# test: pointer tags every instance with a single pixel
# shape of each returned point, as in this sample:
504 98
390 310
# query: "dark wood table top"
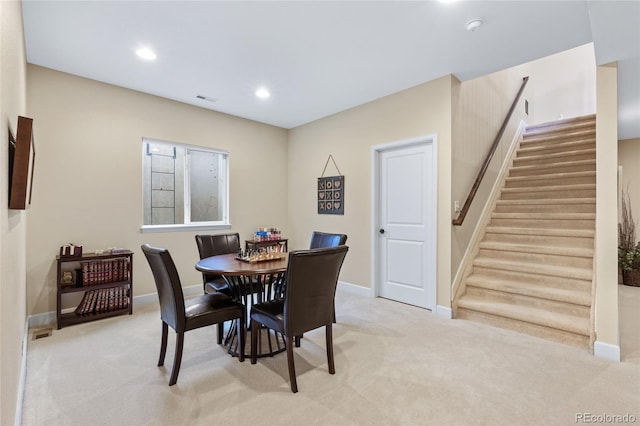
227 264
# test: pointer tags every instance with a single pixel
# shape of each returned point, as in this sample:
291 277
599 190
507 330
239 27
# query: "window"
184 186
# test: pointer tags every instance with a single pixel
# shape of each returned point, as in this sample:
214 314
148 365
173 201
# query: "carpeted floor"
395 365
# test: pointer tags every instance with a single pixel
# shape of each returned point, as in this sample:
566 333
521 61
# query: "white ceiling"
316 57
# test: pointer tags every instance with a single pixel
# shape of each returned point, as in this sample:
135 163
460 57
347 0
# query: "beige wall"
88 174
629 159
349 136
12 222
606 255
563 85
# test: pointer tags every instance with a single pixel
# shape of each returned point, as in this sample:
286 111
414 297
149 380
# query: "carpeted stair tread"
540 201
571 323
551 188
558 137
561 147
538 249
545 216
526 170
530 289
552 176
534 268
584 233
555 157
556 125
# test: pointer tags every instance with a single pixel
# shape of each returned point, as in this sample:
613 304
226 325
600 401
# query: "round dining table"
251 282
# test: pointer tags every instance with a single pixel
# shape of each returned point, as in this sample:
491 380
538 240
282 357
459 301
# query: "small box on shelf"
70 251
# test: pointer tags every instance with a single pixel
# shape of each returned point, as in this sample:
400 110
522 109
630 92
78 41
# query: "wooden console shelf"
105 281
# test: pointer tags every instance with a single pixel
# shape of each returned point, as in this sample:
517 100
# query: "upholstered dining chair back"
168 285
323 239
215 245
311 279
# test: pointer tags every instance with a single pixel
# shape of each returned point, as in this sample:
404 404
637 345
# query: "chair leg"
220 332
297 340
163 343
177 360
242 337
329 332
254 341
292 367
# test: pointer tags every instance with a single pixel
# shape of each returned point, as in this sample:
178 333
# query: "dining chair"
214 245
182 314
311 279
324 239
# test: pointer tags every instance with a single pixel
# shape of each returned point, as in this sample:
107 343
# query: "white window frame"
188 225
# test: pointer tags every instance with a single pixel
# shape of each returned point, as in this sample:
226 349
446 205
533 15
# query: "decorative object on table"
628 246
330 191
71 250
67 278
261 255
267 234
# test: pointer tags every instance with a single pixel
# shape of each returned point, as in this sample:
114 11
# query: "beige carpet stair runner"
533 271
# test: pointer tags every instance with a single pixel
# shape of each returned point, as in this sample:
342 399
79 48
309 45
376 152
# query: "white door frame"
376 151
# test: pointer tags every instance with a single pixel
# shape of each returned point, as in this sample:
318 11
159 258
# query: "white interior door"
406 224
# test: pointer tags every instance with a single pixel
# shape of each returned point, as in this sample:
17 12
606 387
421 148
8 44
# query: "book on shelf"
103 300
105 271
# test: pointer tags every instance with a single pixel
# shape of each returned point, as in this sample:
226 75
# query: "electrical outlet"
456 206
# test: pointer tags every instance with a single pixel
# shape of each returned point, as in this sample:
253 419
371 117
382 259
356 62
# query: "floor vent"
41 333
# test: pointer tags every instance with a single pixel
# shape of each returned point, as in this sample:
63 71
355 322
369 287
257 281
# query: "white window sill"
182 227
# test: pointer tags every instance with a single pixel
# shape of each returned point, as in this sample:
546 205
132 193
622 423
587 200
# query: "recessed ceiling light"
473 24
146 53
262 93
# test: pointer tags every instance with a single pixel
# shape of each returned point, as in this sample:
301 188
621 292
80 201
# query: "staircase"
533 271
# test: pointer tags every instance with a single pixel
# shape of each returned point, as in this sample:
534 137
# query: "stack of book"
103 300
105 271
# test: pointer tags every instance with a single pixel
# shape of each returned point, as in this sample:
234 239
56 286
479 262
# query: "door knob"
381 231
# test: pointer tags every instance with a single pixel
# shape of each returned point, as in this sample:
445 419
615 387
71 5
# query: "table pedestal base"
270 342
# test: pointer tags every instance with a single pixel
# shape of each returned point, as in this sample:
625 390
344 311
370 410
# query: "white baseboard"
354 289
41 320
444 312
606 351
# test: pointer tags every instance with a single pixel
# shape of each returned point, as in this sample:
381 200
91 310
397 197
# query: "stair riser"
551 159
533 141
549 306
545 208
540 240
584 263
541 195
532 181
561 168
547 333
550 224
541 280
